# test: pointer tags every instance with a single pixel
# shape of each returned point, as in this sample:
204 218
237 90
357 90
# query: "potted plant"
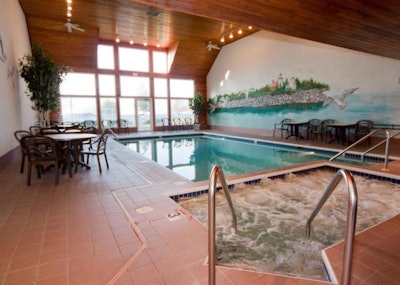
197 104
43 77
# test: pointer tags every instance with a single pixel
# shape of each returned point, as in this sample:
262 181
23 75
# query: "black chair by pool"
282 127
323 130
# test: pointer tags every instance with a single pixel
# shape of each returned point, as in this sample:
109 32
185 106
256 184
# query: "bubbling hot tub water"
272 215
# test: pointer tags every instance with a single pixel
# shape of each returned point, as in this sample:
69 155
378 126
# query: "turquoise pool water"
194 156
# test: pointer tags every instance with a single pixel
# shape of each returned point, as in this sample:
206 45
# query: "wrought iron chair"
166 124
311 126
123 125
281 126
19 135
97 147
361 129
106 124
189 123
35 130
89 123
323 130
177 124
43 151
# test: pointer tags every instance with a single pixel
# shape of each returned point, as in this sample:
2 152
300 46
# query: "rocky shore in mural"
288 92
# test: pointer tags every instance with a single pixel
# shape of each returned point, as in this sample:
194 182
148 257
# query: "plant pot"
197 127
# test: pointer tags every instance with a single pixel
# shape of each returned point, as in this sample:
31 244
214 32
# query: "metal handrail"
351 218
387 140
212 260
380 143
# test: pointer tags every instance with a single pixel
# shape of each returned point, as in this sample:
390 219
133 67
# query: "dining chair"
35 130
166 124
323 130
189 123
43 151
97 147
361 129
106 124
89 123
177 124
310 127
282 127
123 125
19 135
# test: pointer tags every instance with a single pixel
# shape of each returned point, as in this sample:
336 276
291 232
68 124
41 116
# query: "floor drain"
175 216
144 210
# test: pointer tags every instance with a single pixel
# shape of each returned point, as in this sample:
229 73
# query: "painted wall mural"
246 90
281 92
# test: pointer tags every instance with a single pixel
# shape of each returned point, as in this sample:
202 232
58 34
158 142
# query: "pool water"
272 215
193 157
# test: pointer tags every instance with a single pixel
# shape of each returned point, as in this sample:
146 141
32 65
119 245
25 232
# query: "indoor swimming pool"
272 215
194 156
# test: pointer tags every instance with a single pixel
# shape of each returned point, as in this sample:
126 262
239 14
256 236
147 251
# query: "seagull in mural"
339 100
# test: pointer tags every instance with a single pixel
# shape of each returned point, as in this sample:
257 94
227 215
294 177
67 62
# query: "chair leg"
29 172
98 162
105 157
22 163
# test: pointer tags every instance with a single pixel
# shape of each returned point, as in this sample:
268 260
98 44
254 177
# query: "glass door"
143 115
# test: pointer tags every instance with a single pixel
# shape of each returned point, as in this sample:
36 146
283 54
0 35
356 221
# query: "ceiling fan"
211 46
71 26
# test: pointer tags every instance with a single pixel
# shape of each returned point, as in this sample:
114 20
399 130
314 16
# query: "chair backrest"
123 123
20 134
284 121
177 121
101 143
106 123
40 148
89 123
313 124
35 130
165 122
363 127
188 121
325 124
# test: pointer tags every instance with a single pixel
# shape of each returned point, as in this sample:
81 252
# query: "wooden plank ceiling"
371 26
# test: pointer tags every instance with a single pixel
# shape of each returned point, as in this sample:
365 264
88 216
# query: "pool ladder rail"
351 218
386 140
216 172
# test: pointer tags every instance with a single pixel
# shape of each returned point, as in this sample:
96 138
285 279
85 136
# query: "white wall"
257 60
15 107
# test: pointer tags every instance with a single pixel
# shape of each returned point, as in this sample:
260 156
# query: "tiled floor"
120 228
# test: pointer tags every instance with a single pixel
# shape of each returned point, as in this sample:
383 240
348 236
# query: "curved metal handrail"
379 144
351 218
387 140
215 173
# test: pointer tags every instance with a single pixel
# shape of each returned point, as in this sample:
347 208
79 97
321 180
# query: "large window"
105 57
126 87
132 59
78 101
135 86
78 84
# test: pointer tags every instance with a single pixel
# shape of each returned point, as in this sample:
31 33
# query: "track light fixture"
231 33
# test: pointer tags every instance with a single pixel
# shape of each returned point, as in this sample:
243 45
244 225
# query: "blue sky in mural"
377 107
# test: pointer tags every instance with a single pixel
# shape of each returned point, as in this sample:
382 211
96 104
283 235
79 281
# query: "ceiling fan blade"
76 27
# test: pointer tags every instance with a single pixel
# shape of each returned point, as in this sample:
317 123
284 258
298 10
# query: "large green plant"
43 77
197 104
